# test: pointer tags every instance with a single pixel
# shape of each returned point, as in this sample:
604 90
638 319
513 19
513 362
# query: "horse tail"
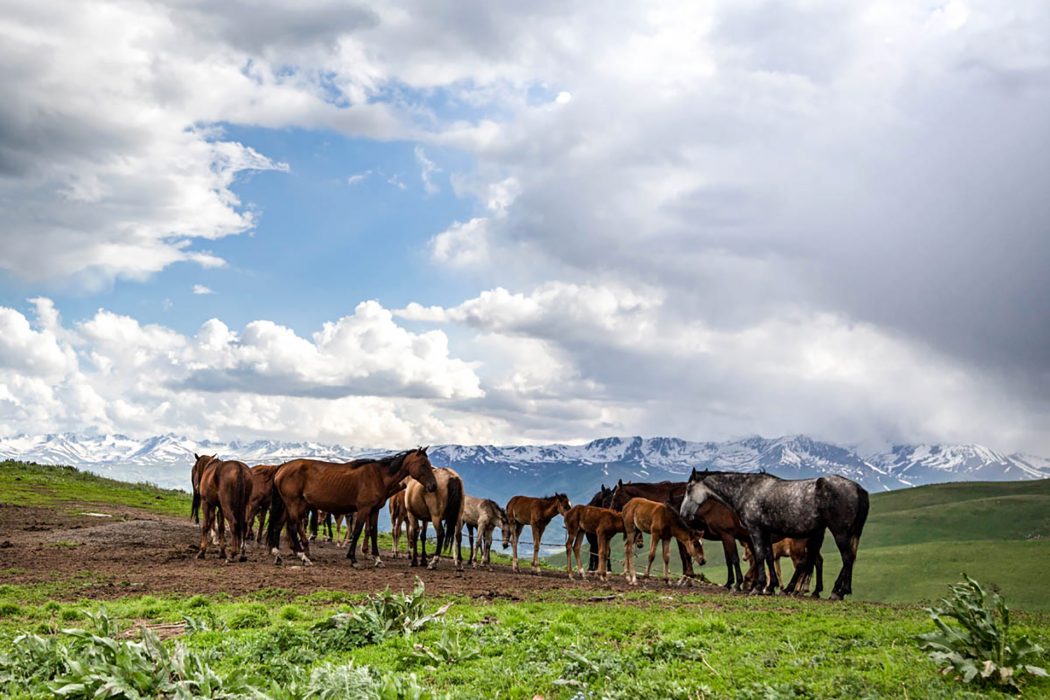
277 516
195 508
453 510
858 521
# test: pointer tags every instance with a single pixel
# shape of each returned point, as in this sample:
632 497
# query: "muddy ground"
94 552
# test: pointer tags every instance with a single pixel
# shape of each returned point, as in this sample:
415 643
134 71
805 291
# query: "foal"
662 523
537 513
485 515
259 501
602 523
794 547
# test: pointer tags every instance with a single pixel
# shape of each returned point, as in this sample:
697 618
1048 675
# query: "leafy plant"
332 682
452 648
978 647
380 617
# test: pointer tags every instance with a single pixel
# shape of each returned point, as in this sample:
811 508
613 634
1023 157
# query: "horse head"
419 468
504 527
562 502
696 492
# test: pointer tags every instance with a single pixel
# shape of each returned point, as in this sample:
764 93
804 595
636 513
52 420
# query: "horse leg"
653 540
667 561
603 557
359 524
780 576
760 552
628 557
206 511
820 575
515 535
687 561
592 546
440 530
537 537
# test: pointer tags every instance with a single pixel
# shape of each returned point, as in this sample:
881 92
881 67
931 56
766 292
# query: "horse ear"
424 449
620 482
196 456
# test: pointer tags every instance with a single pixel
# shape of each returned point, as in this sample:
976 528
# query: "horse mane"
391 462
677 517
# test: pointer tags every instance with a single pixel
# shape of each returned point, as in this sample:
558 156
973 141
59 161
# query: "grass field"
560 643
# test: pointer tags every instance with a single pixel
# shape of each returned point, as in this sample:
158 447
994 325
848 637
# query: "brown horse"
221 487
537 514
794 547
360 487
718 522
259 501
444 508
662 523
603 523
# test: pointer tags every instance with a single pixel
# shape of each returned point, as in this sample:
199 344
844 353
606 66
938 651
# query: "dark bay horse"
537 514
772 508
259 501
360 487
221 487
718 522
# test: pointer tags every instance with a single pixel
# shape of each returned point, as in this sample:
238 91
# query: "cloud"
358 177
200 289
359 380
427 170
462 244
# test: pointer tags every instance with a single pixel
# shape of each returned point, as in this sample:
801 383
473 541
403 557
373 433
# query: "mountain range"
500 472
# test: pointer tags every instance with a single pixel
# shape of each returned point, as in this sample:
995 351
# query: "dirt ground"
132 552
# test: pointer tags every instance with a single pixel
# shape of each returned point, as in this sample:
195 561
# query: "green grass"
641 646
24 484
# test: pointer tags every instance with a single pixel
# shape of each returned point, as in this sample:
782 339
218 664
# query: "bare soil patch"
140 552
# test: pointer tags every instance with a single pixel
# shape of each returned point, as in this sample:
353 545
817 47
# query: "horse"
444 508
360 487
769 506
602 499
223 486
259 501
662 523
398 520
485 515
537 514
718 522
787 547
602 523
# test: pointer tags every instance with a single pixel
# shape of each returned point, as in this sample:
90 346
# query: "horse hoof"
243 557
200 555
432 565
815 595
379 563
834 596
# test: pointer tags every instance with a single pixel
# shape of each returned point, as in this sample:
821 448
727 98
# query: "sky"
401 223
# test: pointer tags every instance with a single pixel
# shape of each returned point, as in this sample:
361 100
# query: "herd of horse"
770 517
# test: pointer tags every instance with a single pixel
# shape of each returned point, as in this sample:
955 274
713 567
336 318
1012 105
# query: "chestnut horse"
602 499
602 523
537 514
718 521
224 487
795 548
259 501
442 507
661 522
360 487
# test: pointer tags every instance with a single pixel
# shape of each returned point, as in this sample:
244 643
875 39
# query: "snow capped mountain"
578 470
923 464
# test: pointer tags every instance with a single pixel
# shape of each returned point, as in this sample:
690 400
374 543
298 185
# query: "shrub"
331 682
451 648
978 648
381 616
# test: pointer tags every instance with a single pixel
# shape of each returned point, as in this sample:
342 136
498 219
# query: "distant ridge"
501 471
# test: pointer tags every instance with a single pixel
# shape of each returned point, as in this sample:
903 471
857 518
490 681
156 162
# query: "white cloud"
358 177
200 289
361 379
462 244
427 170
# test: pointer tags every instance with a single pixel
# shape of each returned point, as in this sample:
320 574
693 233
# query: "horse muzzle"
431 488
